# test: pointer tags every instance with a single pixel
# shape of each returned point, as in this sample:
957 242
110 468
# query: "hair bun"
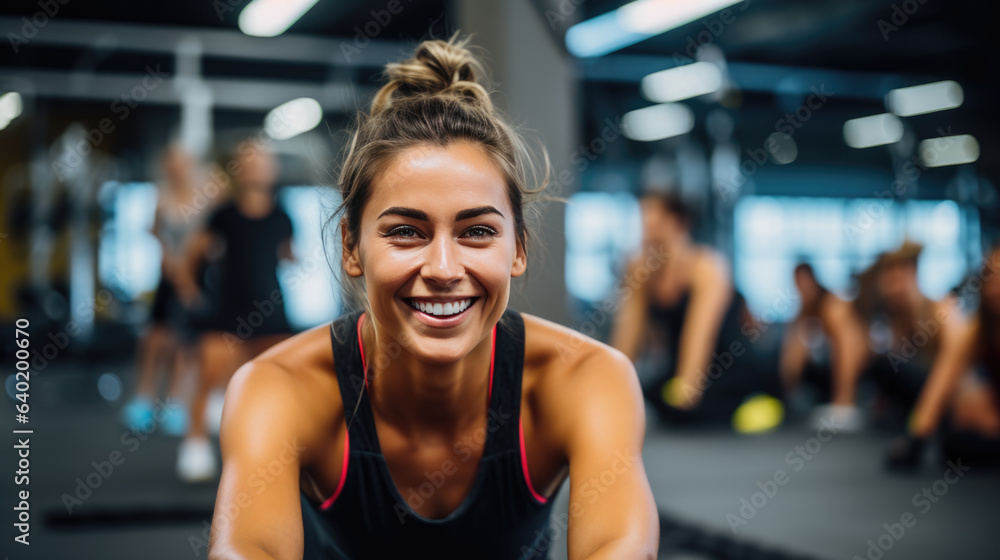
437 68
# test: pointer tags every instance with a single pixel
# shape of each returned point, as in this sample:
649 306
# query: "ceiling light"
268 18
927 98
873 131
682 82
658 122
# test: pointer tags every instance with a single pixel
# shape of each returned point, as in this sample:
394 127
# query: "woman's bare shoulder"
560 351
565 367
296 380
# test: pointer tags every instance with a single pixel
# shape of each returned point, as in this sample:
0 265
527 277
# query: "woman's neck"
419 397
678 252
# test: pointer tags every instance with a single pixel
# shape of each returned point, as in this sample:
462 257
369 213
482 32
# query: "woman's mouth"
440 307
441 312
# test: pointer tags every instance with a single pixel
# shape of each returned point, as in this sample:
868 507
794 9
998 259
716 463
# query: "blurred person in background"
824 322
687 306
905 328
963 389
243 309
168 344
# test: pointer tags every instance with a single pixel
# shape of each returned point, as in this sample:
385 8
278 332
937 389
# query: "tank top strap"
508 367
349 365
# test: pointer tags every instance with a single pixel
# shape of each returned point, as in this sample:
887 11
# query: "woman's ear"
350 259
520 263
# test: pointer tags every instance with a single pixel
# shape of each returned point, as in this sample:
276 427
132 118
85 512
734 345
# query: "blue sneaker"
138 415
175 421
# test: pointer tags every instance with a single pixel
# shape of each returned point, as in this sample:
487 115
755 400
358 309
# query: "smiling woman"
434 421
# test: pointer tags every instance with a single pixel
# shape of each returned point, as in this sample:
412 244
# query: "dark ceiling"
939 39
326 18
939 36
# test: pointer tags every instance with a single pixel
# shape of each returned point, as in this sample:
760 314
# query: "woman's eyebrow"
422 216
405 212
474 212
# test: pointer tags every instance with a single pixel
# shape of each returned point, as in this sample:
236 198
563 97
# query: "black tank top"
668 324
501 518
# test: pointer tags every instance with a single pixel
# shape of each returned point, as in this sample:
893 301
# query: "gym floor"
707 483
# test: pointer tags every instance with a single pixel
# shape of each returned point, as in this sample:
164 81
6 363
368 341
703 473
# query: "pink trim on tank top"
364 366
524 464
347 435
343 472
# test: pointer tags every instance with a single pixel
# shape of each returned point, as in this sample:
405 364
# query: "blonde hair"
435 98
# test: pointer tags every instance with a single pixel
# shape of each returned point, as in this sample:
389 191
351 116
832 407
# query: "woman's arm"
186 275
631 320
794 355
955 355
601 422
711 294
848 347
259 517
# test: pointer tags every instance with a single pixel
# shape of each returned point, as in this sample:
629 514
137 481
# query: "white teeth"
445 309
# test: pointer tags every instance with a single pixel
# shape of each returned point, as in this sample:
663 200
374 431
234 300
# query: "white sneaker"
213 411
196 460
845 418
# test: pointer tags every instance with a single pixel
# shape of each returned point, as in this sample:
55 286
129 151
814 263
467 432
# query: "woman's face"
659 225
808 288
897 284
438 233
255 169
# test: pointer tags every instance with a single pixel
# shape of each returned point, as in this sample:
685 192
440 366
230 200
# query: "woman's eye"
481 231
406 232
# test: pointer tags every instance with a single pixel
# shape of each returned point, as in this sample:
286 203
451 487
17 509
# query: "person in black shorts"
242 311
434 421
